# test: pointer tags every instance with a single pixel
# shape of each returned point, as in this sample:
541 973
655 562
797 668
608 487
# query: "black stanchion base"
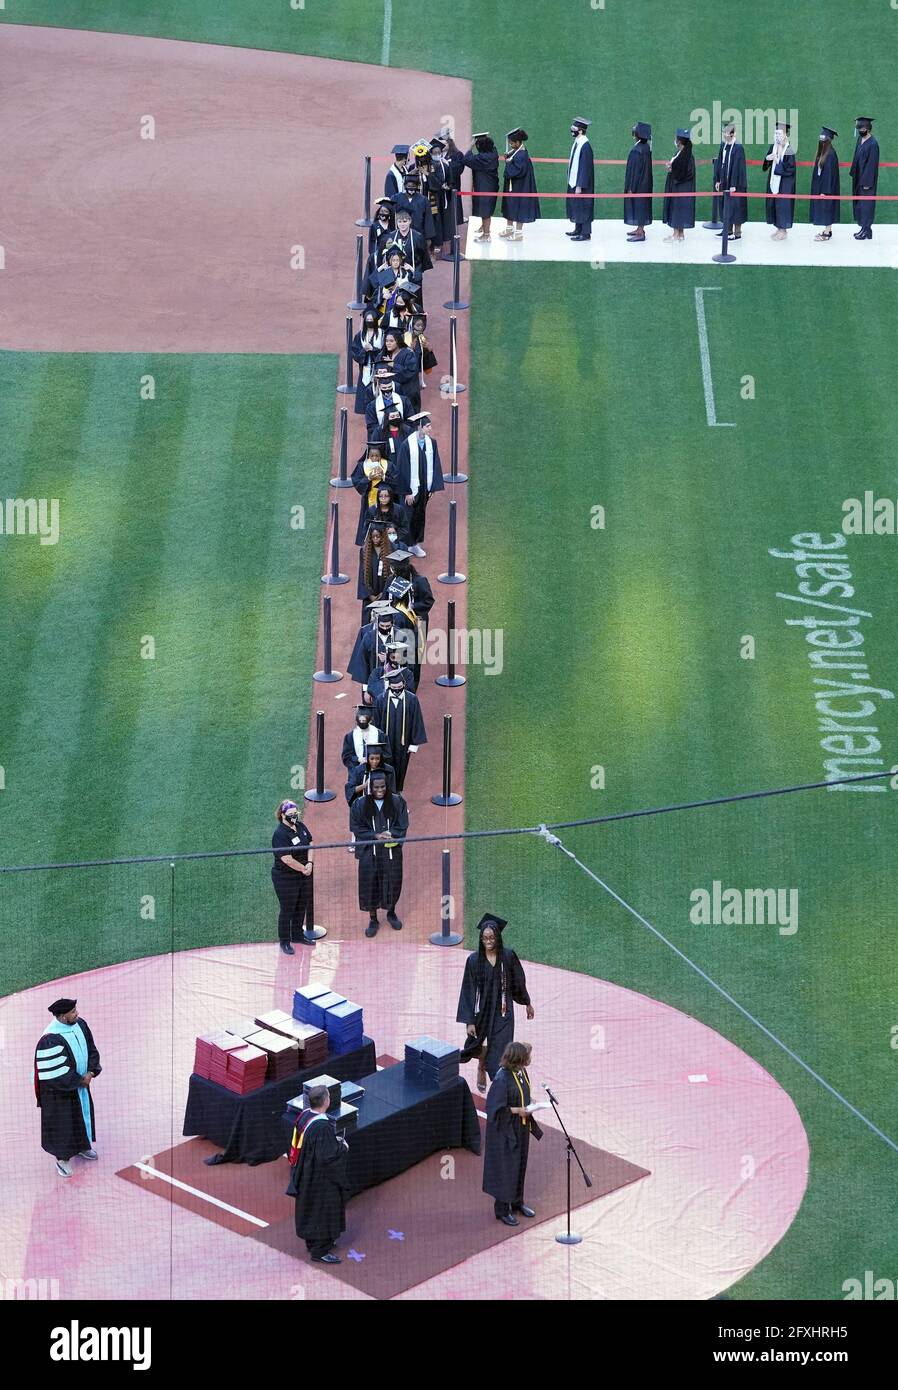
341 482
458 388
722 259
335 579
564 1239
452 304
363 222
713 226
452 578
327 676
453 799
326 795
450 258
459 478
316 934
345 390
356 305
452 681
451 938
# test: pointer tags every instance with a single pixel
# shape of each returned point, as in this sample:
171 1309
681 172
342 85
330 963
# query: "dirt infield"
183 243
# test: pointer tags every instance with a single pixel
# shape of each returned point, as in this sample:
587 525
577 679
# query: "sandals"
481 1083
824 236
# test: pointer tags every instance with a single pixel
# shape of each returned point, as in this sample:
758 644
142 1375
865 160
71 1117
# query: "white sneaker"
63 1168
89 1153
419 551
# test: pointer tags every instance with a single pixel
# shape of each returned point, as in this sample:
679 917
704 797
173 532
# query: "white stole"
414 470
579 142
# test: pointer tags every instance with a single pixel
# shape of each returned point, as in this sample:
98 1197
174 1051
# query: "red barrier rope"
558 159
699 193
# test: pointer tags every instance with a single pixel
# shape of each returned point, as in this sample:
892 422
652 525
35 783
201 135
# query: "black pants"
297 908
317 1248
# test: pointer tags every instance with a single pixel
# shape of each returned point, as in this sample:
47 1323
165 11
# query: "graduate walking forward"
397 714
66 1061
581 178
379 823
508 1130
318 1179
492 984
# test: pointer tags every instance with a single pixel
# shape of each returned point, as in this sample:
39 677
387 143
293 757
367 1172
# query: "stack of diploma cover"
302 1001
344 1027
431 1061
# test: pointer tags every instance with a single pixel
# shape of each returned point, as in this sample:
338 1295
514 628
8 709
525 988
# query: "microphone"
552 1098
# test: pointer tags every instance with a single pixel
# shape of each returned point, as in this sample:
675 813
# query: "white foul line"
388 28
710 408
195 1192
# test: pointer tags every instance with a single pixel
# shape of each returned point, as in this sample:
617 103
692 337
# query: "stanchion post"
450 678
447 796
335 577
341 480
456 302
724 258
457 386
314 933
452 576
454 475
715 224
320 792
347 387
365 219
445 937
357 303
326 674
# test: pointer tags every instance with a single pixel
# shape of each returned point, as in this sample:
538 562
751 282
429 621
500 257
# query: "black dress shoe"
329 1259
635 238
862 234
372 927
287 948
579 238
525 1211
507 1220
394 921
570 233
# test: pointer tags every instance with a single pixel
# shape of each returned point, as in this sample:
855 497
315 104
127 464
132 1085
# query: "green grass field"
621 646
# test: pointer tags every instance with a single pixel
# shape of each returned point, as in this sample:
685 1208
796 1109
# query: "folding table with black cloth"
249 1127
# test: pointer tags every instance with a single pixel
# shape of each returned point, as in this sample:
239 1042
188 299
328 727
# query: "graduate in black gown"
412 598
638 180
508 1131
404 367
395 178
379 823
418 206
372 470
361 736
679 213
493 982
440 177
318 1178
419 474
374 567
581 178
417 342
396 664
387 422
292 877
381 230
66 1061
779 166
392 513
864 177
455 161
398 715
374 761
519 179
370 649
730 176
825 185
412 245
366 348
483 161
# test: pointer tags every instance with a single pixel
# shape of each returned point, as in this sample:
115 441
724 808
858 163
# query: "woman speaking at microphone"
291 875
509 1124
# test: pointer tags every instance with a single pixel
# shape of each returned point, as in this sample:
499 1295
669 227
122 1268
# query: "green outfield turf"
622 644
174 525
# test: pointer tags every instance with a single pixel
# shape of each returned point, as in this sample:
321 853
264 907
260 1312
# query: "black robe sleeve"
468 994
424 599
517 980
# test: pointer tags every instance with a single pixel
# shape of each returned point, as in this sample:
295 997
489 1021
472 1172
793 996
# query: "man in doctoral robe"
730 176
419 474
581 178
378 822
638 182
318 1179
864 177
398 716
66 1061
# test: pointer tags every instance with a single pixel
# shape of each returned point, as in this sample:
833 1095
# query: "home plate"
546 241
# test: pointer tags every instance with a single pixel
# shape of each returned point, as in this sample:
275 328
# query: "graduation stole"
387 720
299 1134
517 1081
375 473
414 465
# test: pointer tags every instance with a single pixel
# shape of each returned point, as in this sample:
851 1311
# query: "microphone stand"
567 1237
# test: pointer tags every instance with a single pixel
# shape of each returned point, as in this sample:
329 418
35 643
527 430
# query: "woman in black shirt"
291 875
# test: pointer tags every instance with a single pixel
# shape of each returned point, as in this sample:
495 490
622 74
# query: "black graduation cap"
422 418
489 919
683 134
399 149
385 277
412 178
391 677
783 125
364 709
62 1006
517 134
582 122
384 202
864 120
480 135
418 313
378 523
642 130
437 143
827 134
376 748
399 554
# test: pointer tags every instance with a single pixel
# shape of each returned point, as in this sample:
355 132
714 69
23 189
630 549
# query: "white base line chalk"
204 1196
710 408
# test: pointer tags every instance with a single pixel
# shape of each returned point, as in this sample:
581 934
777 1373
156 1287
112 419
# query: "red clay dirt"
182 243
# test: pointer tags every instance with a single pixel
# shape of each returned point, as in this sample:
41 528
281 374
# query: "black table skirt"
249 1127
400 1122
